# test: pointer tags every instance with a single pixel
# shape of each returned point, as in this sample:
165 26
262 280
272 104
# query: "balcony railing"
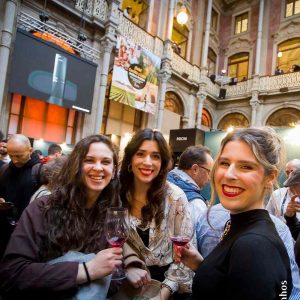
139 36
240 89
274 83
93 8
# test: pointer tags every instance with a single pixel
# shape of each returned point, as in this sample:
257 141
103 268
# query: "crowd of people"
54 247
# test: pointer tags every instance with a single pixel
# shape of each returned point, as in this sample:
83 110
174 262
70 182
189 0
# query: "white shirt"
278 203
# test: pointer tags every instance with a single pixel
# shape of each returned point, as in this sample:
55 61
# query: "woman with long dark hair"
70 219
148 196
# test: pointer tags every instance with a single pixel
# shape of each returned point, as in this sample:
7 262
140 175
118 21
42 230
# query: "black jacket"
17 186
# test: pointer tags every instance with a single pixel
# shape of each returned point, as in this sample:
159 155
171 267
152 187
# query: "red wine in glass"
180 224
116 231
180 241
116 241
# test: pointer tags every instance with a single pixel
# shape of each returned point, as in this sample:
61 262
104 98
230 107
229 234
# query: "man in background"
17 185
280 198
192 175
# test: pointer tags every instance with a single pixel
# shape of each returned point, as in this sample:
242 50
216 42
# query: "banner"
135 76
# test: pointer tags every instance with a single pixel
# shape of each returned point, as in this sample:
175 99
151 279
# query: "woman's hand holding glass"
116 230
104 263
189 256
181 228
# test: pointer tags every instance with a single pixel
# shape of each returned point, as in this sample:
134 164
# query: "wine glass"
181 228
116 231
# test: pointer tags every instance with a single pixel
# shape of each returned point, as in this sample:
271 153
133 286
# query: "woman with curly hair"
70 219
148 196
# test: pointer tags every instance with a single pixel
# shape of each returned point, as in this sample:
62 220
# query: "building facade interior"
226 63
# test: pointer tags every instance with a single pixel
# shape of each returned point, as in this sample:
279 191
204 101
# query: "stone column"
164 76
165 72
254 101
201 95
107 44
189 45
107 47
206 36
170 19
259 37
5 43
192 113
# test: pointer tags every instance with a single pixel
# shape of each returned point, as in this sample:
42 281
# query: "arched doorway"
236 120
285 117
206 119
174 104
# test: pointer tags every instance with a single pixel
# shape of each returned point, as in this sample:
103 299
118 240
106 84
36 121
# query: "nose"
231 172
98 166
147 160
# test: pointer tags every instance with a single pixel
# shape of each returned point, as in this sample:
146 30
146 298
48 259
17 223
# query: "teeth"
97 177
232 190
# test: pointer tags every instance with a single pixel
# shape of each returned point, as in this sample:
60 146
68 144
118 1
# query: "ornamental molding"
287 31
239 45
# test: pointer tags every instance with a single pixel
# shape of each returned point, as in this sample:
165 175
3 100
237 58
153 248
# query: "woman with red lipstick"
66 228
145 191
251 261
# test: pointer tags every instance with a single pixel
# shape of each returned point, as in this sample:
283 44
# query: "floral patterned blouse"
160 250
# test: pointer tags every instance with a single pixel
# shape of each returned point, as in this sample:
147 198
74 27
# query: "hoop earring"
129 168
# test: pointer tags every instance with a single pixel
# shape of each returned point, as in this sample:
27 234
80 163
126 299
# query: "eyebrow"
240 161
140 149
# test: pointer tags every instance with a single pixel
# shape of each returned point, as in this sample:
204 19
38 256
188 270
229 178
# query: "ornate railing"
93 8
211 88
182 67
29 23
274 83
240 89
139 36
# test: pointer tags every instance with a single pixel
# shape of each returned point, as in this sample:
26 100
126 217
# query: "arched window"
206 118
236 120
289 54
285 117
174 104
238 66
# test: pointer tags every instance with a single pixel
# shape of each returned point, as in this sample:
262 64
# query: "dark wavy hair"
156 193
71 225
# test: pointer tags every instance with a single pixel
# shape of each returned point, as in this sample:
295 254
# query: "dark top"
294 226
17 185
251 262
24 274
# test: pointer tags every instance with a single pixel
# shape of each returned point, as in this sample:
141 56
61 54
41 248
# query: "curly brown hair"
70 224
156 193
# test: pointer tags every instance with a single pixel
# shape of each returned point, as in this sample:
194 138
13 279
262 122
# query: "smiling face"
97 170
239 178
146 163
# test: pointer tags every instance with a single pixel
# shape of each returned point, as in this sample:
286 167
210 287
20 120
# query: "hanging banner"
135 76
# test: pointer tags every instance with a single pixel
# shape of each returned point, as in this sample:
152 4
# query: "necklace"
226 229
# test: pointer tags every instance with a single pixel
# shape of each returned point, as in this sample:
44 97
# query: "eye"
156 156
223 163
139 154
89 160
107 162
246 167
